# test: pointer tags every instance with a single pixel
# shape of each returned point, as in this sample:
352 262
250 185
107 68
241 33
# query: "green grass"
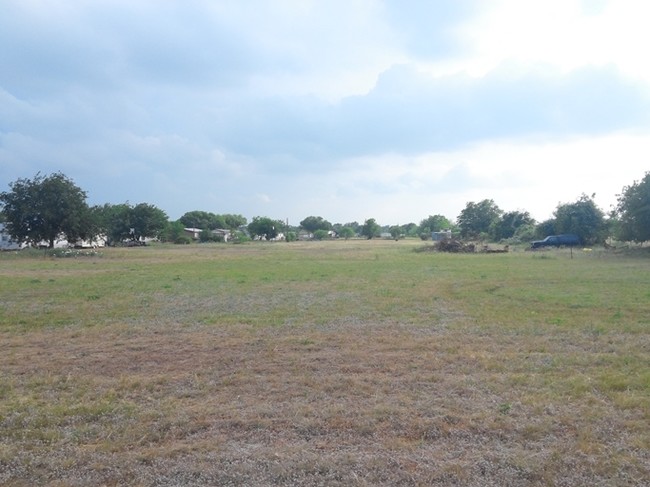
324 363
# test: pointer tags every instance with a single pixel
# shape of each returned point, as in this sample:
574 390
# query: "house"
193 233
221 232
96 242
6 242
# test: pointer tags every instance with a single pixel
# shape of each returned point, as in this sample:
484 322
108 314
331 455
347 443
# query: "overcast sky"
345 109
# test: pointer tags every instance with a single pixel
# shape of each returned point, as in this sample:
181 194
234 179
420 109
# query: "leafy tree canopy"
507 225
203 220
582 218
313 223
346 232
434 223
370 228
210 221
43 208
410 229
545 228
125 222
395 231
233 222
148 221
174 233
633 211
321 234
264 227
476 218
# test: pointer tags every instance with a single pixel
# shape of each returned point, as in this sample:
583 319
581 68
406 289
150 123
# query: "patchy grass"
331 363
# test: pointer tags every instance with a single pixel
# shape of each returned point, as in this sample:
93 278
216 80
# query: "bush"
321 235
183 240
240 237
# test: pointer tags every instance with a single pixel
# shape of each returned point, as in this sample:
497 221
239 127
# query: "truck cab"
556 241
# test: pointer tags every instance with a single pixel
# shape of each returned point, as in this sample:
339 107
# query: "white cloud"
563 34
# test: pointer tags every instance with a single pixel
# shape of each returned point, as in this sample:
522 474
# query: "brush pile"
455 246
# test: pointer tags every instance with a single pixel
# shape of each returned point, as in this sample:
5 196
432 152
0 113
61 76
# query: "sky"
345 109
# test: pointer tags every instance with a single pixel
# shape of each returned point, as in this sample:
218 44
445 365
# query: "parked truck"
556 241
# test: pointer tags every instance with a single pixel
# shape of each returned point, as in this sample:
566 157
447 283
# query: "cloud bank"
348 110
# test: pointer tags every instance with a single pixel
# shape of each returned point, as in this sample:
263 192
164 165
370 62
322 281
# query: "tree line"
45 207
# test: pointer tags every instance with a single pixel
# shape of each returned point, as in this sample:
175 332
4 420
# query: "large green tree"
434 223
148 221
582 218
313 223
476 218
234 221
633 211
124 222
545 228
370 228
508 223
44 208
113 221
206 220
202 219
346 232
264 227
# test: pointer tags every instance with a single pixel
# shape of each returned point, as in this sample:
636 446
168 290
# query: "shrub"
183 240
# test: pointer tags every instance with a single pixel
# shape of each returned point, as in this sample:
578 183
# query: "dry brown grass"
340 402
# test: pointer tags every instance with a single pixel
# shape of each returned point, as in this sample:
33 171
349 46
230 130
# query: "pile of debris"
455 246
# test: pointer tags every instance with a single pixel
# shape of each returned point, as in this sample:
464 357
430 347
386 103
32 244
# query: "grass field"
352 363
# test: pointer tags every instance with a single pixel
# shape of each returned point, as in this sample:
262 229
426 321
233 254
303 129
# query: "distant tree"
633 211
525 233
346 233
545 228
321 234
203 220
434 223
508 223
44 208
124 222
410 229
313 223
114 221
239 237
582 218
264 227
476 218
148 221
370 228
233 222
174 233
395 231
354 226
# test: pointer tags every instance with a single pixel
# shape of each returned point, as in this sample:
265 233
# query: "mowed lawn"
351 363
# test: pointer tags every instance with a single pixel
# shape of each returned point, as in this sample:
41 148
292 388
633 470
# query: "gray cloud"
198 103
412 112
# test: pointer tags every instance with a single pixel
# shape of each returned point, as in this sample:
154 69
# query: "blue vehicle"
556 241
